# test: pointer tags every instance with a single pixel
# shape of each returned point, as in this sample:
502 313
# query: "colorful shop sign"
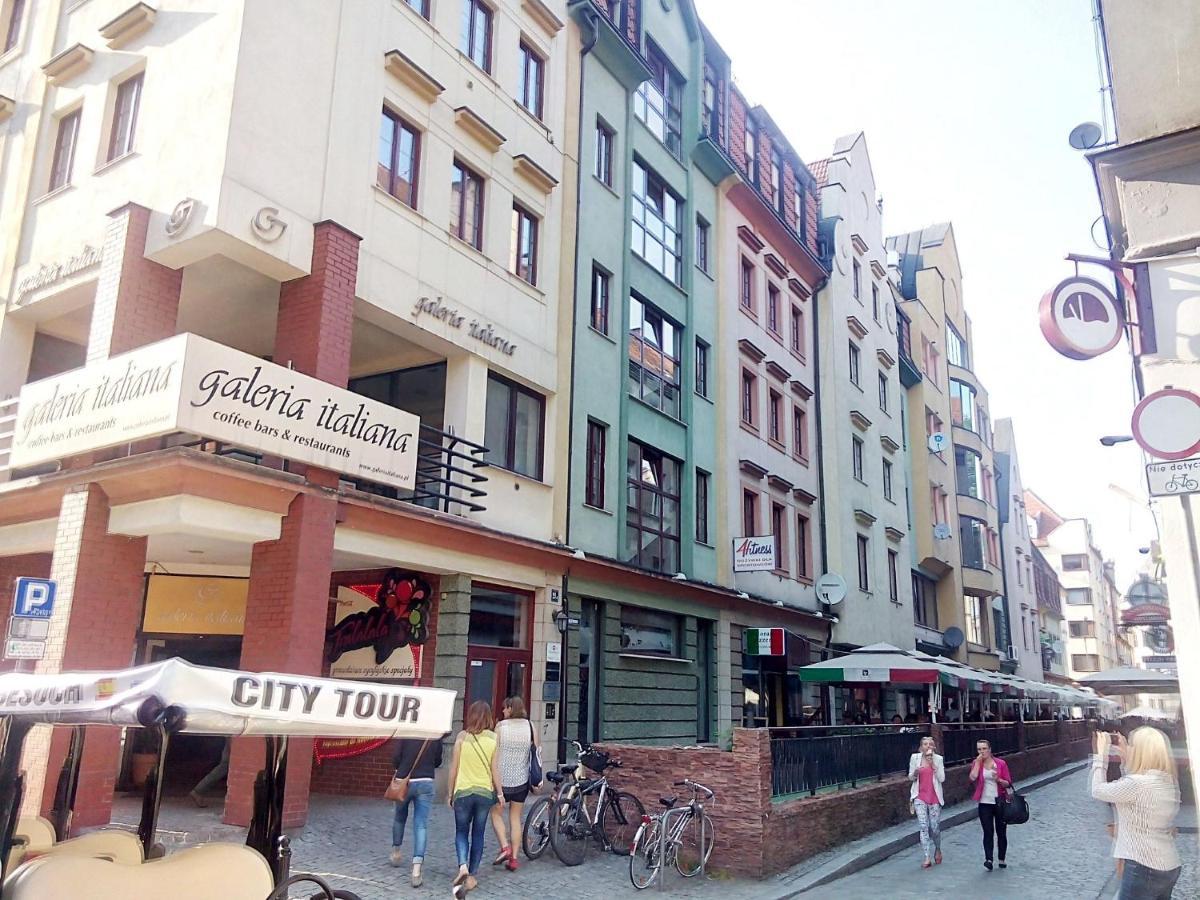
380 628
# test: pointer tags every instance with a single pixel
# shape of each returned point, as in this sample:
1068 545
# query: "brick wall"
33 565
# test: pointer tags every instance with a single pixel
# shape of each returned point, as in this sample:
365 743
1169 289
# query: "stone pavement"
1061 854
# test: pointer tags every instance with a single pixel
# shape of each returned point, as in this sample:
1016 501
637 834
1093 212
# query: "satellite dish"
937 442
941 532
1085 136
953 637
997 603
831 589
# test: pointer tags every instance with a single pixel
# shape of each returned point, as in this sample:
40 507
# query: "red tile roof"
820 171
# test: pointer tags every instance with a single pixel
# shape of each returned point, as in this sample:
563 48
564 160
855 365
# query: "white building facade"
1023 654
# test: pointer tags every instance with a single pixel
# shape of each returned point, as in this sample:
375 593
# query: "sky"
966 106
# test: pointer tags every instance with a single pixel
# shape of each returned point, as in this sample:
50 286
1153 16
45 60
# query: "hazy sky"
966 106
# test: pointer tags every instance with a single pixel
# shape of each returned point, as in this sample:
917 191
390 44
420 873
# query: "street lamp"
1110 439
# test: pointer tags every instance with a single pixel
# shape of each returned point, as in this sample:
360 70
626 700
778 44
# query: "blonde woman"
927 772
1147 801
474 790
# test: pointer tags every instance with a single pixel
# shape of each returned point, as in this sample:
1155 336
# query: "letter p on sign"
33 598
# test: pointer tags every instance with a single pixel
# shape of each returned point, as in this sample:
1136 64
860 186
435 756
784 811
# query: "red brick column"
137 300
97 611
288 600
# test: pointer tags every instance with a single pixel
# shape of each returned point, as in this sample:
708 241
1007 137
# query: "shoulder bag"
1015 809
535 760
397 789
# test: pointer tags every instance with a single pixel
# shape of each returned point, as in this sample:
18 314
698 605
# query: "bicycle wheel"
535 836
620 820
644 861
570 830
688 856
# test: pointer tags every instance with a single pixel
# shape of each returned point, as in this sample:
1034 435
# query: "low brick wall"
758 836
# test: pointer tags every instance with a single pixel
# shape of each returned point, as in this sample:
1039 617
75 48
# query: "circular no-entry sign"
1167 424
1080 318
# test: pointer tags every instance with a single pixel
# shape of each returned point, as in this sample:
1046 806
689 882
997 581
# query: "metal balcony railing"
8 425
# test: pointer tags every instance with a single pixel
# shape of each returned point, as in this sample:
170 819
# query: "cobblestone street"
1061 853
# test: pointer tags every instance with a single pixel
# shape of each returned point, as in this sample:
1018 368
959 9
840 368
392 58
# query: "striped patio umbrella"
879 663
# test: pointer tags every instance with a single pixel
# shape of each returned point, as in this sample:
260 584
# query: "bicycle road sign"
1170 479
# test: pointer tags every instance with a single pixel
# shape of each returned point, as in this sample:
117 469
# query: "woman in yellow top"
475 789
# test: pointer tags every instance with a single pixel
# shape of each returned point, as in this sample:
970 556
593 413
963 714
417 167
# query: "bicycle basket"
596 760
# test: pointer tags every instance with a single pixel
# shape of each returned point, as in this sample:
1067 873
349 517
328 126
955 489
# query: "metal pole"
703 855
664 824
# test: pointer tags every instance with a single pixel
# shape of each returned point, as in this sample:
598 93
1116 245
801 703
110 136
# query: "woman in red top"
927 771
991 777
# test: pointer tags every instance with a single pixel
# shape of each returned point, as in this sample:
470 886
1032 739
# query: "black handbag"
535 761
1015 809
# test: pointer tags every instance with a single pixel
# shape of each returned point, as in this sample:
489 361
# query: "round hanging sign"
1081 318
1167 424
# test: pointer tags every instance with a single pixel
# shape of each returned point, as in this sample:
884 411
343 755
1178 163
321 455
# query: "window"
652 509
747 285
857 458
12 33
938 501
656 223
653 357
749 398
710 114
702 238
523 260
421 7
64 150
799 432
924 594
968 467
803 550
1074 562
658 102
772 308
893 577
1020 583
597 439
751 156
466 205
649 632
857 280
513 427
533 69
855 364
989 493
605 148
499 618
1085 662
1079 597
1084 629
775 423
933 422
749 513
956 348
125 113
616 12
875 301
777 180
702 483
883 392
887 480
701 368
779 534
399 152
477 33
972 534
977 632
962 405
601 284
864 563
931 361
797 331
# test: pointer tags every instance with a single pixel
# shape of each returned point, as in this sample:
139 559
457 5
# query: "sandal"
505 855
458 887
926 864
937 858
512 865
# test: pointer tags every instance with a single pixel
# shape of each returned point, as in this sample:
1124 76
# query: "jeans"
420 799
470 819
928 815
993 821
219 771
1144 883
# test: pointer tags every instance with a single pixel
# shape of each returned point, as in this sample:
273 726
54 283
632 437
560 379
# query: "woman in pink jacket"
991 777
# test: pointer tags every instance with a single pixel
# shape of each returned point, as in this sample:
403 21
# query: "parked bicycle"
587 808
535 836
689 838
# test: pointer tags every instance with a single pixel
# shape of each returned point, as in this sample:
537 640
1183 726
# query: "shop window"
650 632
499 617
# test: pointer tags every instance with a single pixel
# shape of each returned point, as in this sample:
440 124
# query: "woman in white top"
927 772
516 742
1147 802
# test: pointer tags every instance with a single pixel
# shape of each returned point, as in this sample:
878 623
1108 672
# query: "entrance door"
494 674
498 646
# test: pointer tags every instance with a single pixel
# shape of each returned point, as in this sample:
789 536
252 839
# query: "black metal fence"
1040 734
1076 729
960 740
805 760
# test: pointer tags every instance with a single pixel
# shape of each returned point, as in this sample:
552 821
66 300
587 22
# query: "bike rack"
663 829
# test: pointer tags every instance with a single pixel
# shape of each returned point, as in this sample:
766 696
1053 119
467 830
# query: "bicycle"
1181 482
575 822
689 838
535 836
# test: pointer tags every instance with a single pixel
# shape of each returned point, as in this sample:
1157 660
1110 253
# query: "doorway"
499 658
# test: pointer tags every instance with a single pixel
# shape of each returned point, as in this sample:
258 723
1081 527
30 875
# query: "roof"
820 171
910 246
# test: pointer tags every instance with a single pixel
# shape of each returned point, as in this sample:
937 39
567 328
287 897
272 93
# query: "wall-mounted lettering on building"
196 386
53 273
480 331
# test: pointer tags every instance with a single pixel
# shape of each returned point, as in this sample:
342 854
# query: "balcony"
910 375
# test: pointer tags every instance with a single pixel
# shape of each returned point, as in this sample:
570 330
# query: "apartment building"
364 236
955 519
1051 630
863 409
1021 651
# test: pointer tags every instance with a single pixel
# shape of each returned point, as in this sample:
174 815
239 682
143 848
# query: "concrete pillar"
97 611
725 677
453 622
137 300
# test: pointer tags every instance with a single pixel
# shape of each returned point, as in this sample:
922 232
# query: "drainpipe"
590 18
822 528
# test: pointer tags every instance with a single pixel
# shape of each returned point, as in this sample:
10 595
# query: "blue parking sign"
33 598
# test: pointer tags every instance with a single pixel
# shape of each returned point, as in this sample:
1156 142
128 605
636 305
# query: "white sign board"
1179 477
15 649
1167 424
554 652
28 629
879 675
754 554
193 385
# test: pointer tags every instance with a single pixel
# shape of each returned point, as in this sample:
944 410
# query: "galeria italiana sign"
190 384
